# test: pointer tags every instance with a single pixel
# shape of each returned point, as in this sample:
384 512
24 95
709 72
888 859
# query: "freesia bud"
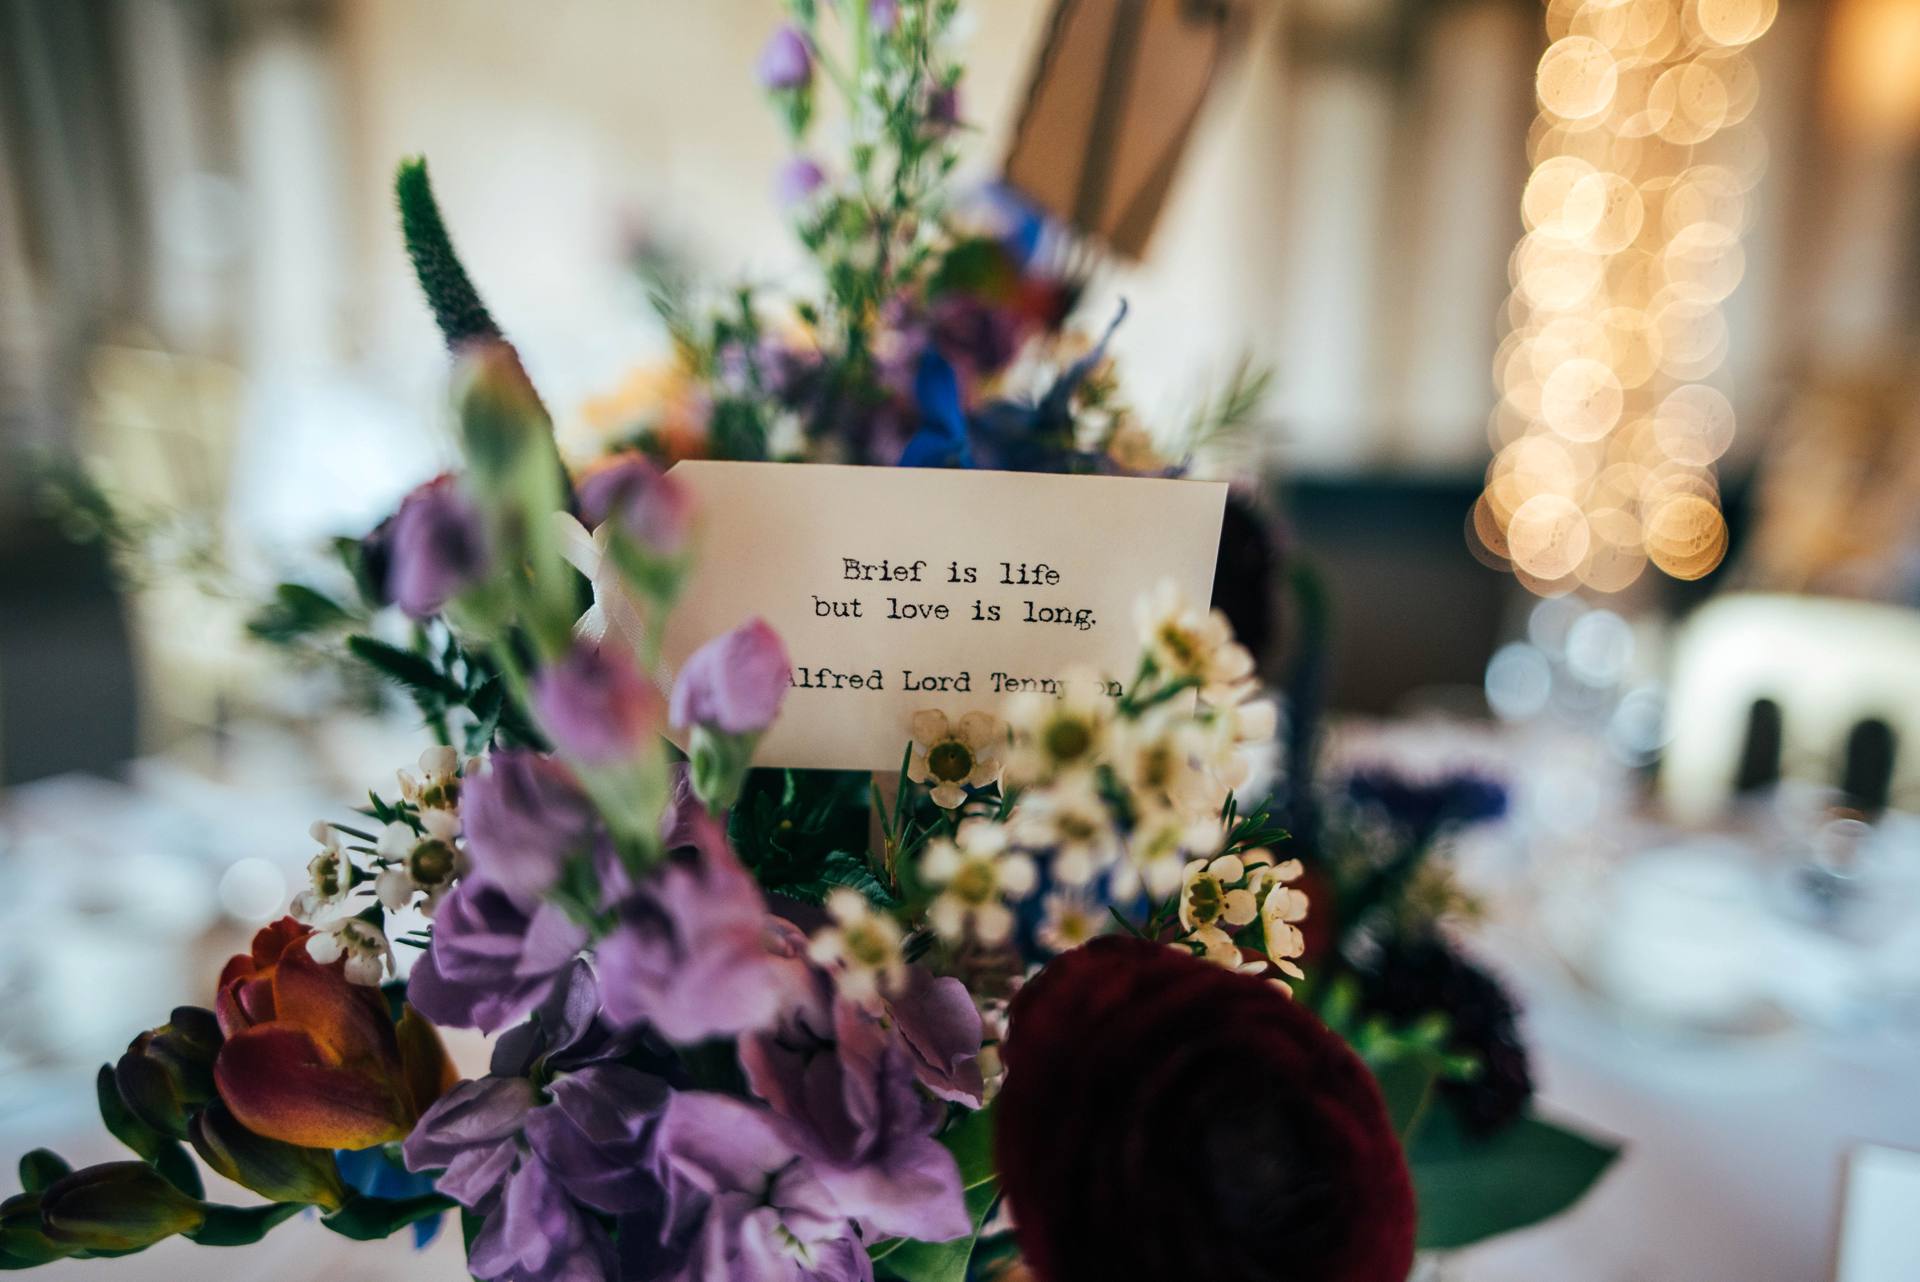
22 1238
276 1170
167 1072
117 1206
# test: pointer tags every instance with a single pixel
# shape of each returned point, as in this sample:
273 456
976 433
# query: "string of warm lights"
1609 419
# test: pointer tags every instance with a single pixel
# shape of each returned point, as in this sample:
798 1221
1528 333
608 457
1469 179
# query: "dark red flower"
1166 1118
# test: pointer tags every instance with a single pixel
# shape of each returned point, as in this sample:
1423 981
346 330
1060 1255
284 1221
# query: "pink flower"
734 683
597 706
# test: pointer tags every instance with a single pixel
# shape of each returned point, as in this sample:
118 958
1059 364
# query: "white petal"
949 796
992 923
948 917
1241 907
979 730
1017 876
324 947
929 727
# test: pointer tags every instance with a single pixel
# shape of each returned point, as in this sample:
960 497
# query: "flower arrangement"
1052 977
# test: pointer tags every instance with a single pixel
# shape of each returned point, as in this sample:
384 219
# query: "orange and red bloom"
314 1060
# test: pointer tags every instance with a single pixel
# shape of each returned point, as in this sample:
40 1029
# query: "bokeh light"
1610 418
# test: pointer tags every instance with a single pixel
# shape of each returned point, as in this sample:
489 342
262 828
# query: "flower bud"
275 1170
597 706
167 1072
786 63
23 1242
646 504
117 1206
435 549
734 683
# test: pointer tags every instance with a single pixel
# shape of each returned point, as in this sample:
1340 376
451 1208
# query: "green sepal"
242 1225
41 1167
368 1219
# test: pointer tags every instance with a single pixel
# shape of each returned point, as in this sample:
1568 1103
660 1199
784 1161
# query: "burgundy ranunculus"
1165 1118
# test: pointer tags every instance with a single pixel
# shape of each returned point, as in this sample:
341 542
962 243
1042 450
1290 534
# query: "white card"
901 589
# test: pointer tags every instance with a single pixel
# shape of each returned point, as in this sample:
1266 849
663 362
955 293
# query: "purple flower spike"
883 14
490 961
851 1103
524 817
691 954
471 1135
437 547
538 1234
734 683
786 62
653 508
597 706
798 179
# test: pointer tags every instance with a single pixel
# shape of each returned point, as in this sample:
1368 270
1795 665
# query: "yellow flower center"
976 882
867 947
1067 739
1206 900
950 761
1181 645
430 863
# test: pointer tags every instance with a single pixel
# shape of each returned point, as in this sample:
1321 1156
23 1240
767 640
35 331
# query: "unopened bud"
117 1206
276 1170
167 1072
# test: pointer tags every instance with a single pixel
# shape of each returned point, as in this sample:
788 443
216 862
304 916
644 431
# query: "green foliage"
446 680
456 304
299 613
366 1219
797 831
1471 1189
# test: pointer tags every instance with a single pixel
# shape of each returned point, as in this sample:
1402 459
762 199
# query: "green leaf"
412 672
910 1261
970 1140
456 304
367 1219
242 1225
1471 1189
40 1168
164 1153
1406 1084
296 611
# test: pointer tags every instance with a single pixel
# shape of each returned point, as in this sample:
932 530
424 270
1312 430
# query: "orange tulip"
313 1060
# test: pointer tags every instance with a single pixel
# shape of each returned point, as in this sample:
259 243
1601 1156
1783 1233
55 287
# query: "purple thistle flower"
797 180
524 817
597 706
734 683
652 508
786 63
491 960
435 548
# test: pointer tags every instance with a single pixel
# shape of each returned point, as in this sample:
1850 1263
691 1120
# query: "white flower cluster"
1121 794
407 859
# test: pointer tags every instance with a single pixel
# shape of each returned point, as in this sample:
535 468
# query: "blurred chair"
1799 688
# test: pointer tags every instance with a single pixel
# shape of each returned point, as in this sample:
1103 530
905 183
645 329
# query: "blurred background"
1594 412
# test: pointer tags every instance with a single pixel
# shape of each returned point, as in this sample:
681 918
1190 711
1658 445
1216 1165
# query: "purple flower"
742 1201
472 1136
597 706
943 108
652 507
940 1027
883 14
536 1233
845 1087
436 547
596 1137
734 683
524 817
797 180
490 960
690 955
785 62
